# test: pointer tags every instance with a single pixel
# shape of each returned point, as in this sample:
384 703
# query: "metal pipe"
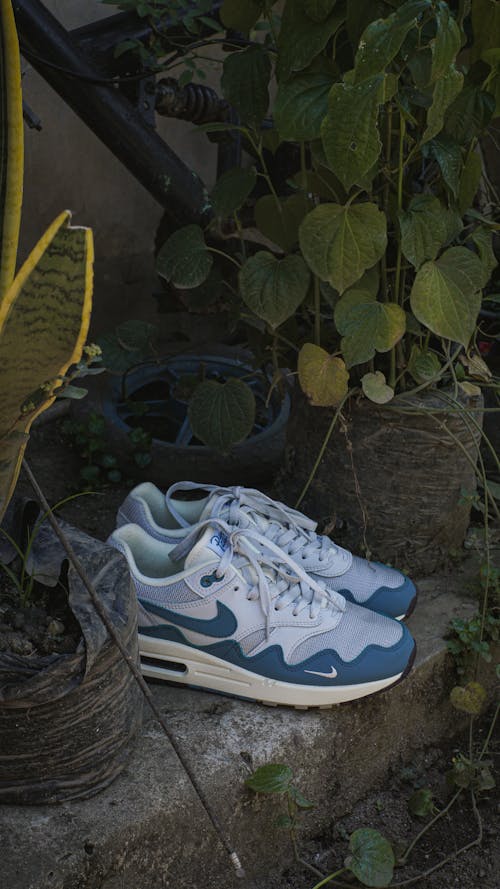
113 119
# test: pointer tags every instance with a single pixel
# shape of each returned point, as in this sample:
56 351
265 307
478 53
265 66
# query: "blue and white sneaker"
169 518
219 613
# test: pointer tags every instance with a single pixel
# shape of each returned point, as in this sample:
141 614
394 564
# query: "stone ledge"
148 830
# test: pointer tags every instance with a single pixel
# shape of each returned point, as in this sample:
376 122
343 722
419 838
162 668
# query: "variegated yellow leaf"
11 145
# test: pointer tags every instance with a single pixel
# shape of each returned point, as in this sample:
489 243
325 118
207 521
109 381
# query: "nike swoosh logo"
331 675
222 625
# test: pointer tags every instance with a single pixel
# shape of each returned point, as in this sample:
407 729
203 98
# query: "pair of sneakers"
238 594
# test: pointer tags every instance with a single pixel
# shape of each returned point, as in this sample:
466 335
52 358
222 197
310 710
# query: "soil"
44 625
387 811
57 471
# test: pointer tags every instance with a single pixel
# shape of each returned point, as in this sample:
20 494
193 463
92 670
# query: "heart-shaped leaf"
349 131
323 378
245 82
421 803
448 155
376 389
301 39
469 698
424 229
301 104
274 288
469 114
280 220
446 90
340 243
240 15
445 294
446 44
371 859
231 190
184 259
483 239
423 365
368 326
222 414
469 181
382 39
271 778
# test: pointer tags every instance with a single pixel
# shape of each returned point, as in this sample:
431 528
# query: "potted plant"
68 702
377 251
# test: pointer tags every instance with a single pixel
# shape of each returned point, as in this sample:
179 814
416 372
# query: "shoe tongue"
209 548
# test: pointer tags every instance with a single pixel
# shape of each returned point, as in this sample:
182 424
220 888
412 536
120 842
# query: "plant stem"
490 732
317 311
322 449
225 255
428 826
330 877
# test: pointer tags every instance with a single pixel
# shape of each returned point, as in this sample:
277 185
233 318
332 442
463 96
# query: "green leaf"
76 392
301 39
284 822
446 44
421 803
445 92
340 243
301 104
245 83
222 414
274 288
281 224
318 10
323 378
349 131
299 799
448 155
469 698
368 326
240 15
184 259
445 294
231 190
271 778
492 86
371 859
11 146
483 239
382 39
359 14
469 114
469 181
423 365
486 26
424 229
375 388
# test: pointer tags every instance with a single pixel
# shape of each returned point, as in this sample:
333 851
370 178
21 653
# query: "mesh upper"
248 643
132 511
363 579
357 629
169 594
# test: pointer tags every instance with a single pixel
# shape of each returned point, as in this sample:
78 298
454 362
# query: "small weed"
101 465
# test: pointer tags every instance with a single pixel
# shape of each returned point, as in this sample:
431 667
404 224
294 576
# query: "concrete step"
149 831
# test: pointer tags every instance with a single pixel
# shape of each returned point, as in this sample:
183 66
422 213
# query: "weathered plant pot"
67 720
394 479
177 454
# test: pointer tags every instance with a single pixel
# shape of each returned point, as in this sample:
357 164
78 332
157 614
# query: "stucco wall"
67 167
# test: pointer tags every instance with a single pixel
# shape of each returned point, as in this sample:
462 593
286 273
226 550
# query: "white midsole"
207 671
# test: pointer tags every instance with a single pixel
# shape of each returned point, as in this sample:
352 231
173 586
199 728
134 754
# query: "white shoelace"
291 588
242 507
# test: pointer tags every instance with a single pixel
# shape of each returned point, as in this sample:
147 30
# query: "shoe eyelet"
236 589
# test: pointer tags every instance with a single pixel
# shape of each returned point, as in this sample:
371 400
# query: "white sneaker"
168 518
221 613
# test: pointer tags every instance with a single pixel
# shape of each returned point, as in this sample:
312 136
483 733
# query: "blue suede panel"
385 600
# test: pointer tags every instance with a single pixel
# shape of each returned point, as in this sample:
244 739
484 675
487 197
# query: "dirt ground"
56 468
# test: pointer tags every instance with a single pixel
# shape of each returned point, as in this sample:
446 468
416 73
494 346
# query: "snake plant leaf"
367 326
274 288
375 388
445 91
184 259
44 320
382 39
371 857
302 103
424 229
469 181
447 42
240 15
245 82
340 242
222 414
280 220
445 295
322 377
301 39
231 190
11 145
349 131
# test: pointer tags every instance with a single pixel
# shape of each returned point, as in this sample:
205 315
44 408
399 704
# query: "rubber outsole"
180 665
